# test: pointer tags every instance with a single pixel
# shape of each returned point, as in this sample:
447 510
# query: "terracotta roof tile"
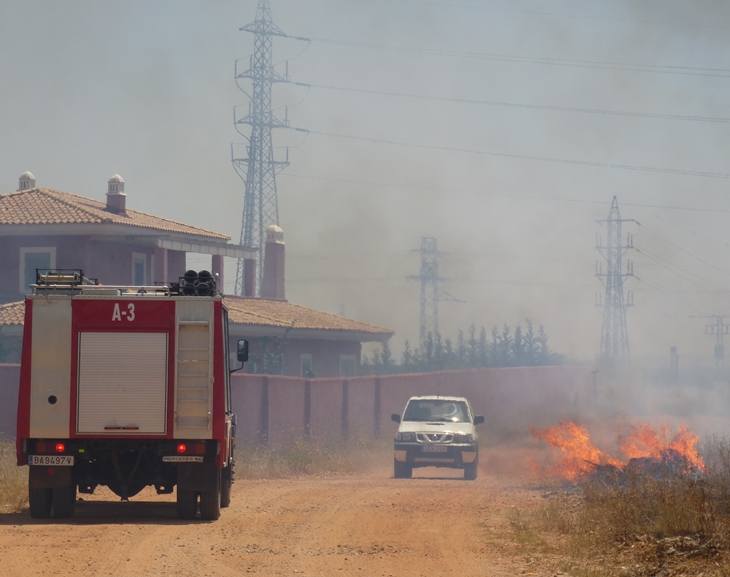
252 311
12 313
283 314
46 206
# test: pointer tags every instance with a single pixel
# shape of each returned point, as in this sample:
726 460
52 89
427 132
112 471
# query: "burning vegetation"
660 505
658 451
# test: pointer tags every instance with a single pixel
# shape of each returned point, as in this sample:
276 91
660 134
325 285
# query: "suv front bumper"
455 455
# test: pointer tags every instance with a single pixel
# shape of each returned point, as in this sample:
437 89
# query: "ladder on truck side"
194 384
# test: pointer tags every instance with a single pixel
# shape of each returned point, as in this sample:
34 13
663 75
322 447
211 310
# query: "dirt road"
368 524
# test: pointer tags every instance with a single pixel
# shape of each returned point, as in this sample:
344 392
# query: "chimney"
116 199
272 286
249 277
26 181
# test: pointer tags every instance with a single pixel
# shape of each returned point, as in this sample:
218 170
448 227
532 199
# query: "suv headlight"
405 436
463 438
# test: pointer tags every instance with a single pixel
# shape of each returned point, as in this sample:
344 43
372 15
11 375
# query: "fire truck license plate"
434 449
51 460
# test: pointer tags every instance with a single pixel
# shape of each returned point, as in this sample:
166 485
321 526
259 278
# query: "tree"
473 351
483 348
518 348
545 355
408 363
531 346
461 357
386 358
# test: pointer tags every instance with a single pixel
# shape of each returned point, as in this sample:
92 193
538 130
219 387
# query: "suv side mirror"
479 419
242 350
395 417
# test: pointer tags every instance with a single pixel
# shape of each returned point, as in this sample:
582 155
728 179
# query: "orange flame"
581 456
647 441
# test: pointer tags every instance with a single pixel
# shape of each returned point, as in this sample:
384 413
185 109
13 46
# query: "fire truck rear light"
182 448
60 447
200 448
40 447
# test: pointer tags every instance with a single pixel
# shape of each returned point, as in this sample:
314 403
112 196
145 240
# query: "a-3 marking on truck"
119 313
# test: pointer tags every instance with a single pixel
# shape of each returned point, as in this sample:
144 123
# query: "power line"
689 118
680 248
561 15
417 187
615 166
620 66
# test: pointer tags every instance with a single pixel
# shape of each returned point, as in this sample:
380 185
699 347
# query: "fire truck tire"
64 502
470 471
187 504
402 470
210 502
41 501
226 482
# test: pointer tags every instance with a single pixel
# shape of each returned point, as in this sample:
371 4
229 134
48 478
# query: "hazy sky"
512 193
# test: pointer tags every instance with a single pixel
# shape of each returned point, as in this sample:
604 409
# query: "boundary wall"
277 409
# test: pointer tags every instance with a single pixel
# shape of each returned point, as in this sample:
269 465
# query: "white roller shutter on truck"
122 383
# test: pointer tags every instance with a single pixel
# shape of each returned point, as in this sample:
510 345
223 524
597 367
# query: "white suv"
436 431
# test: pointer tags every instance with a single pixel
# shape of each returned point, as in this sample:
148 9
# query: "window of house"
139 268
305 366
32 258
347 365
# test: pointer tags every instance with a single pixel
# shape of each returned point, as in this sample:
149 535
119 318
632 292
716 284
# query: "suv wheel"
402 470
470 470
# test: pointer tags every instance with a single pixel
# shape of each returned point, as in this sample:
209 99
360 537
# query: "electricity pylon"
614 334
259 168
719 329
431 292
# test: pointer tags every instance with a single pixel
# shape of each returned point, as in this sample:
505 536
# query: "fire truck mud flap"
50 477
198 477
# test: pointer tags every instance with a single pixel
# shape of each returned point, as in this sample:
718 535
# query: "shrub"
13 480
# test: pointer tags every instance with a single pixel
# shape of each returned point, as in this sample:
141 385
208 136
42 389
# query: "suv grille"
435 437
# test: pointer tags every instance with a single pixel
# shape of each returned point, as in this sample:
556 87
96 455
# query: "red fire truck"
126 387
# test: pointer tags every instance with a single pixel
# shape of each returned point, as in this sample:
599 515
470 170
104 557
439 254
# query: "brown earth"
367 524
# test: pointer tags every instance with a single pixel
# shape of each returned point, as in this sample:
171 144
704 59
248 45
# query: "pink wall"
508 398
279 409
326 408
286 409
325 353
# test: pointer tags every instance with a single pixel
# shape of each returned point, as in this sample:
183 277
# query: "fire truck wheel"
41 501
64 501
210 505
226 483
187 504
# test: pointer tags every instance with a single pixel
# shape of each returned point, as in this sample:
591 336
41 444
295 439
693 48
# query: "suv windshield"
436 410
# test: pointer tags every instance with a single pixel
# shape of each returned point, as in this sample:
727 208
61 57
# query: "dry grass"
641 525
301 457
13 480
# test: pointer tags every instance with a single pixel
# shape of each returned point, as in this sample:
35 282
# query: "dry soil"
367 524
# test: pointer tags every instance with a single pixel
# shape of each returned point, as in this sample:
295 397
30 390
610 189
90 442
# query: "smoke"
146 90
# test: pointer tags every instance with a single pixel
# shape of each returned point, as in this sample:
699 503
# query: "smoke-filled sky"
502 128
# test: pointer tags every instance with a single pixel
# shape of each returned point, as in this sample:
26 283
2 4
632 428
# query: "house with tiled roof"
294 340
41 228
